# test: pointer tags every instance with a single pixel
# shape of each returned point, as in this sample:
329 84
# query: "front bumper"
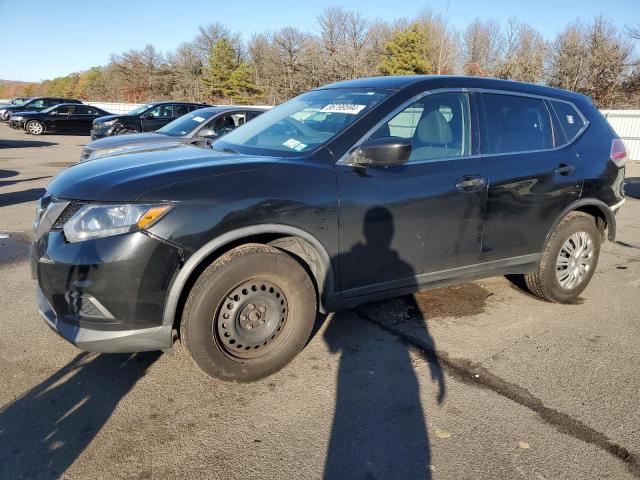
102 132
106 295
118 341
17 124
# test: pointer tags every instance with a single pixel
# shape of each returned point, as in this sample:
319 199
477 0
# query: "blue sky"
46 38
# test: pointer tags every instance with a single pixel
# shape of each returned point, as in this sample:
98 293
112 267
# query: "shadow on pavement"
43 432
13 198
379 427
632 187
24 143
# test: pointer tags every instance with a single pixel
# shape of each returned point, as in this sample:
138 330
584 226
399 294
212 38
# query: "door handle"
565 169
470 183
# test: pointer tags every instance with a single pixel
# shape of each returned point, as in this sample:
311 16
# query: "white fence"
115 107
626 123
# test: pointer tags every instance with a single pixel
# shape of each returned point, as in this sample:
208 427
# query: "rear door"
83 118
533 173
400 225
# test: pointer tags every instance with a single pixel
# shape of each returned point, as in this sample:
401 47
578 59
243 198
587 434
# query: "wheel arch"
300 244
605 219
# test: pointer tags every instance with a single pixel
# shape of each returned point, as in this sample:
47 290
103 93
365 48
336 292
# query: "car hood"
119 141
106 118
128 176
26 113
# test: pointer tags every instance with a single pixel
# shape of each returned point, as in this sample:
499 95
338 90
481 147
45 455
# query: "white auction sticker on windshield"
300 147
291 143
349 108
198 119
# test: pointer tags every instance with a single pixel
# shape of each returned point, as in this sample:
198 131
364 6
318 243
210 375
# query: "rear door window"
36 104
180 110
570 120
516 124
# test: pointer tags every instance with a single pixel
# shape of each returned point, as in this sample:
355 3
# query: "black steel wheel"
251 319
249 313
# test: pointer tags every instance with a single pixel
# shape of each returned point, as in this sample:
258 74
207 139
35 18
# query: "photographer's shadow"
45 430
379 427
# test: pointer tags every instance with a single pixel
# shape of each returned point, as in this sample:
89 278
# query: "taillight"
618 152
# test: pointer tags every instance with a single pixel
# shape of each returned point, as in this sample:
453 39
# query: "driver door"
60 119
400 224
157 117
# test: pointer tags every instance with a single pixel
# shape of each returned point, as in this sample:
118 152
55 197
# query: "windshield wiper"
227 150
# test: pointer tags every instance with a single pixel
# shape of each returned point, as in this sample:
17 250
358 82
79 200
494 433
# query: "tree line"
219 66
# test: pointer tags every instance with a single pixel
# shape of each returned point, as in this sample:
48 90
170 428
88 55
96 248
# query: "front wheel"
568 261
34 127
249 313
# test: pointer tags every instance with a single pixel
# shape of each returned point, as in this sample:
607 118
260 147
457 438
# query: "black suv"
146 118
356 191
36 104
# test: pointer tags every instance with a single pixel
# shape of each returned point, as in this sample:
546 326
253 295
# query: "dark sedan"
198 127
146 118
35 104
63 118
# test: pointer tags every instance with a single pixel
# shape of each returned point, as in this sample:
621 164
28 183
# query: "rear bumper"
119 341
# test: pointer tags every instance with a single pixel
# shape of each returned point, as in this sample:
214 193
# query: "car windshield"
303 123
139 110
185 124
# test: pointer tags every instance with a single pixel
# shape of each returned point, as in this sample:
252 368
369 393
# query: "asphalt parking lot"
476 381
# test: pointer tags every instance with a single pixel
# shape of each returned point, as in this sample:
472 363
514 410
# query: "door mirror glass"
382 152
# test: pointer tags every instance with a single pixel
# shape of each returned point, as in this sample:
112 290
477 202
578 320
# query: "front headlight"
96 221
17 118
108 123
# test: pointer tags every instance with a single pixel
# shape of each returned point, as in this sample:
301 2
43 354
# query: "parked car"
356 191
63 118
146 118
35 104
198 127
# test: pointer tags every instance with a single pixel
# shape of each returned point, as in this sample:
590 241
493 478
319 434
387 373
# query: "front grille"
68 212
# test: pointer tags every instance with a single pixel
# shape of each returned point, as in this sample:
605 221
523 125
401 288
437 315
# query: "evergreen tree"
227 76
406 53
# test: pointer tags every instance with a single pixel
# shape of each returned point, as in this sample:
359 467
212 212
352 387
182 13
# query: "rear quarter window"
570 119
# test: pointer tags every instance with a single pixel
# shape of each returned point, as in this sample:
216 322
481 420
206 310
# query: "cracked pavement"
479 380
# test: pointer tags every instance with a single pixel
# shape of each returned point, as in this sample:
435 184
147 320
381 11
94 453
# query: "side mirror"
382 152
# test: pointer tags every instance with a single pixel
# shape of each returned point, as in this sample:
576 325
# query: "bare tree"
483 44
568 58
443 42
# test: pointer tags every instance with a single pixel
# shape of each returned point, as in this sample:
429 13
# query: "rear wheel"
568 261
249 313
34 127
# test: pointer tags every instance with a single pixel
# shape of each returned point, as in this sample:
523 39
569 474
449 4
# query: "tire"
5 116
248 314
34 127
562 276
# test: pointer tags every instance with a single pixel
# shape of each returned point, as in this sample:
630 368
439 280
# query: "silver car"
199 127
